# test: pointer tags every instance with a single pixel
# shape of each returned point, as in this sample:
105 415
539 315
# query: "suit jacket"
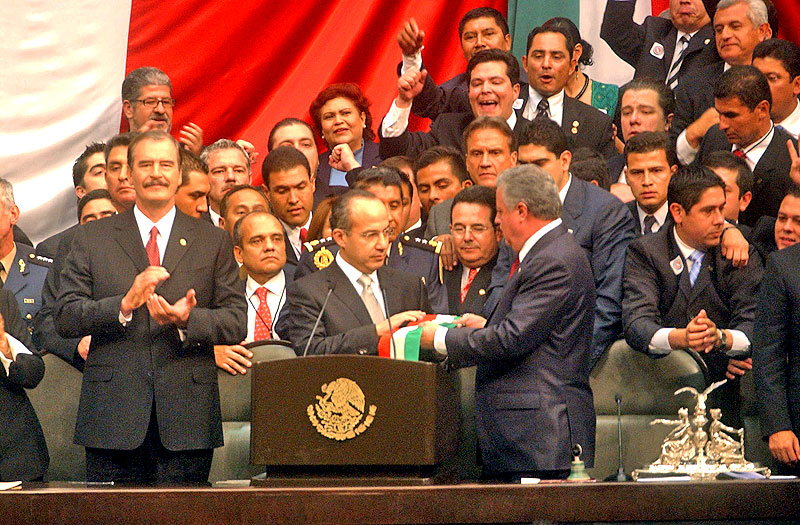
532 396
603 227
346 327
439 219
776 344
476 295
637 227
25 280
323 188
656 297
586 126
23 451
762 236
131 368
771 175
446 130
634 43
693 96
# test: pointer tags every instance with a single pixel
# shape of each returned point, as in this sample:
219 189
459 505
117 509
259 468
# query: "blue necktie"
697 261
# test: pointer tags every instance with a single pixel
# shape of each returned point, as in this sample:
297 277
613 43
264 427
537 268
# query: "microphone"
316 323
620 475
388 318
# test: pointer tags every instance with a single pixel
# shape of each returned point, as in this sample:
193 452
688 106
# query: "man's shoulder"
320 251
787 259
586 111
49 246
654 244
697 79
27 255
458 120
418 244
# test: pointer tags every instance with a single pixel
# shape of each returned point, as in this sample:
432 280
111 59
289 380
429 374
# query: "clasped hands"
142 291
703 336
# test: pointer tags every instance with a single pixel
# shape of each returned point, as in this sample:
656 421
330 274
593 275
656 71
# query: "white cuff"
412 62
438 340
686 153
395 122
739 340
16 348
125 319
182 334
659 344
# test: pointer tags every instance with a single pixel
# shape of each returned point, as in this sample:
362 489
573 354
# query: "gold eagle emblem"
340 413
323 258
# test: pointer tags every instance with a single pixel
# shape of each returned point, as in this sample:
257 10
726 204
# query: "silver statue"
722 448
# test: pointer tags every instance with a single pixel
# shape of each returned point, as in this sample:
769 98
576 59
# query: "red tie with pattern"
514 266
471 277
263 317
303 237
152 248
740 153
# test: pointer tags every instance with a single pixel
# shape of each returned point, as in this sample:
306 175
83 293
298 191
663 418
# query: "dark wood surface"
472 503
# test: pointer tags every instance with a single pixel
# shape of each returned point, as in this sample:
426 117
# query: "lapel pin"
575 123
657 50
706 41
677 265
517 104
183 242
481 292
574 131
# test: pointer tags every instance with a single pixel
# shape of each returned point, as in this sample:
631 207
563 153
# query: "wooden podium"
352 420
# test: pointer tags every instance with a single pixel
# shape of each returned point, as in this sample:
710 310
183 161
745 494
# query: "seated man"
651 162
192 195
24 451
476 242
738 179
359 289
441 173
258 240
680 292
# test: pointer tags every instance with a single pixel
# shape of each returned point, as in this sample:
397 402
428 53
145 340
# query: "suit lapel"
684 285
180 241
573 204
130 241
291 258
344 291
703 278
669 41
394 300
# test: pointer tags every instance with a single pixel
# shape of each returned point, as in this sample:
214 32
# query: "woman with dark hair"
340 114
580 86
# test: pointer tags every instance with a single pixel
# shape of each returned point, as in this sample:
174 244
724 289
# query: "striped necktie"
697 262
672 76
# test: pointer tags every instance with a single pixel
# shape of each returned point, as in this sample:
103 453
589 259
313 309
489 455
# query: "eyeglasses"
152 102
476 229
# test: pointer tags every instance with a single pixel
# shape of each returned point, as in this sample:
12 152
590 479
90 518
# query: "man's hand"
342 158
471 321
397 320
177 314
409 86
142 288
701 333
784 447
794 171
410 38
622 191
234 359
5 348
249 149
697 129
447 251
83 346
192 136
734 246
738 367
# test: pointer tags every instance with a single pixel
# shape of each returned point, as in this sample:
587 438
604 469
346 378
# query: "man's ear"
677 212
127 109
466 184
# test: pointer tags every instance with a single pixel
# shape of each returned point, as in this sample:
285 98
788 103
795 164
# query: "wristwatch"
722 340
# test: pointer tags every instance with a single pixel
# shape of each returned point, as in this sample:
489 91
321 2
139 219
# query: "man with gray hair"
228 166
147 104
21 271
532 393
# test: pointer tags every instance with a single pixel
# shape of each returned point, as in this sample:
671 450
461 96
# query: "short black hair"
495 55
283 158
291 121
787 53
649 141
495 123
381 175
666 97
726 159
483 12
82 162
552 28
92 196
122 139
189 163
477 195
589 165
544 132
223 205
340 211
746 83
569 26
453 157
688 184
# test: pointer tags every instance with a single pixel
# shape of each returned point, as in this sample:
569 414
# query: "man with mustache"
228 166
148 104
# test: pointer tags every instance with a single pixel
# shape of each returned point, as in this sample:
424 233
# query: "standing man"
228 166
118 180
441 173
156 290
192 195
779 60
533 401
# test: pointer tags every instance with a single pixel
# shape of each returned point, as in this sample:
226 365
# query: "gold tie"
373 307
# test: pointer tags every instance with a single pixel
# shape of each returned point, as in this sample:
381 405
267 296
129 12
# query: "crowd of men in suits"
534 216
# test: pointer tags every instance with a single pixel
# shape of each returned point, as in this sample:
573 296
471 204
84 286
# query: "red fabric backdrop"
789 19
239 67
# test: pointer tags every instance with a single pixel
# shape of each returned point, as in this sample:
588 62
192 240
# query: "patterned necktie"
740 153
303 237
262 329
471 277
543 109
3 274
697 261
514 267
152 248
649 222
672 76
373 306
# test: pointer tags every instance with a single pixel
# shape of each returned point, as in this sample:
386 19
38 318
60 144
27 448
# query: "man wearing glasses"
147 104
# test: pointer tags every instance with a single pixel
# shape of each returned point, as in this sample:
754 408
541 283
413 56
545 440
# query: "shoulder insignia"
323 258
40 260
21 263
317 244
422 244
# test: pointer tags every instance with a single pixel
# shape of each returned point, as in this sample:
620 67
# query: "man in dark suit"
742 98
476 242
532 396
228 166
360 289
24 455
776 342
494 88
738 179
549 61
238 202
681 292
739 26
149 408
771 234
661 47
651 162
601 224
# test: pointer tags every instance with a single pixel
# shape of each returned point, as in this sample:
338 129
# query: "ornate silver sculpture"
690 450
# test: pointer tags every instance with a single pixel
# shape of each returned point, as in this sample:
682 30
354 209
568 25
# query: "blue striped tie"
672 76
697 261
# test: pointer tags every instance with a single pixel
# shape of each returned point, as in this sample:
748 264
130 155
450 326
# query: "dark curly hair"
347 90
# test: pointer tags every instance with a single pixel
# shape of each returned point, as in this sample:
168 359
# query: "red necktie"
740 153
152 248
303 237
514 266
263 317
471 277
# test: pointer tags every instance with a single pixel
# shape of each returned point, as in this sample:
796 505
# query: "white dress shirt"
276 297
215 217
353 274
556 105
396 121
16 348
293 235
792 123
660 216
